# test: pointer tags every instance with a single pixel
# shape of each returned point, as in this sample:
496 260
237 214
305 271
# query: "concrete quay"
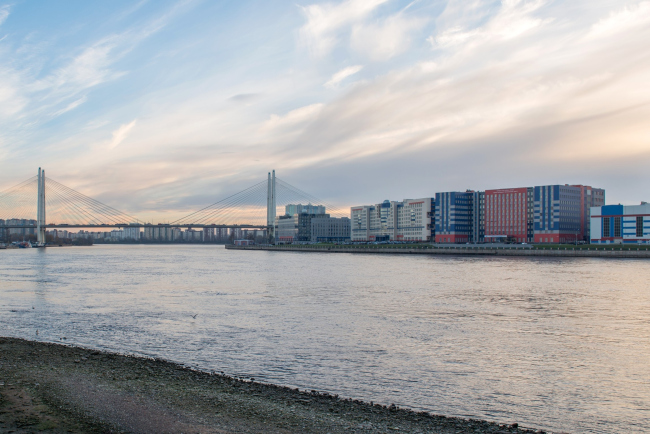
463 251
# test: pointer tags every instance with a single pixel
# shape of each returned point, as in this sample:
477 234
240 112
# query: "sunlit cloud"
324 21
381 41
553 91
342 75
120 134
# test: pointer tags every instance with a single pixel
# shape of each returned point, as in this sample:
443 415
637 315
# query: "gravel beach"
56 388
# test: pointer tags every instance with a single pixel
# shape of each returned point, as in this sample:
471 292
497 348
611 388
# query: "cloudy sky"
158 107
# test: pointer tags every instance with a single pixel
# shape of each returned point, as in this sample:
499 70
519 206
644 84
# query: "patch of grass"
592 246
46 424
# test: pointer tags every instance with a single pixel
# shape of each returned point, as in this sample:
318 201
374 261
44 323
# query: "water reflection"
557 344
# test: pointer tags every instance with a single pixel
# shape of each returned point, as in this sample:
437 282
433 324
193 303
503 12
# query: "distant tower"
270 205
40 208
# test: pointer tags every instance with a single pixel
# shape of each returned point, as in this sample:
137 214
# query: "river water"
557 344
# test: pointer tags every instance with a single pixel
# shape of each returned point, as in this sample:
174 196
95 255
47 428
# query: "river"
556 344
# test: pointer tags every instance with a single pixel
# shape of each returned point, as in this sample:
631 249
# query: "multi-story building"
478 217
21 231
292 209
286 228
297 227
620 224
408 220
509 214
147 234
454 217
193 235
589 197
330 229
132 233
117 234
558 211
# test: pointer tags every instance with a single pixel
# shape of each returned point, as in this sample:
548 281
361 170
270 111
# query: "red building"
509 215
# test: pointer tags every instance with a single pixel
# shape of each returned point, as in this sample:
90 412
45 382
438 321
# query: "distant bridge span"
134 225
65 208
30 204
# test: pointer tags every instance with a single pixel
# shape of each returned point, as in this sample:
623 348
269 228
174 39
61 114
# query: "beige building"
408 220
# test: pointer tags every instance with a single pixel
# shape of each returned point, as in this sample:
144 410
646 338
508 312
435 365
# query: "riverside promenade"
428 249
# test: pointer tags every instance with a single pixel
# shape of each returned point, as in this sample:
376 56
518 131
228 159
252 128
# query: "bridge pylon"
270 206
40 209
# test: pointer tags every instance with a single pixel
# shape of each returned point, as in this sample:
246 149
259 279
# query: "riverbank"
428 249
54 388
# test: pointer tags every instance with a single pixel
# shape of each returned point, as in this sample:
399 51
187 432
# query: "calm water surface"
557 344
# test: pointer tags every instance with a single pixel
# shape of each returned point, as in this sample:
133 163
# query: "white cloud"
73 105
4 13
90 68
120 134
626 19
294 117
384 40
531 86
513 19
342 75
324 22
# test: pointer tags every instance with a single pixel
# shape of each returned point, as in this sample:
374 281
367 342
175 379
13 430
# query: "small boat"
3 246
25 245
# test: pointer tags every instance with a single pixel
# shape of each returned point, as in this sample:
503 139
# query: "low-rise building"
330 230
620 224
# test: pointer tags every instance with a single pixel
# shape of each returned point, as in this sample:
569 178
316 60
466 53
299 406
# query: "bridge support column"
270 206
40 208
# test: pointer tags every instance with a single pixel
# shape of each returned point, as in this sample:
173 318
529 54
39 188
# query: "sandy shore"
54 388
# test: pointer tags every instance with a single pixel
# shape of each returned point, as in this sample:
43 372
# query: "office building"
408 220
296 228
454 217
620 224
558 214
509 215
589 197
478 217
330 230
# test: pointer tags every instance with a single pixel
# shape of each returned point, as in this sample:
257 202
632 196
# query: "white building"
620 224
132 233
409 220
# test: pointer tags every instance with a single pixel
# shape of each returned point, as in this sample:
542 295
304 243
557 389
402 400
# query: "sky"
161 107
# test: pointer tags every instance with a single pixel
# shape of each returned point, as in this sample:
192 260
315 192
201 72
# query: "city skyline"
164 107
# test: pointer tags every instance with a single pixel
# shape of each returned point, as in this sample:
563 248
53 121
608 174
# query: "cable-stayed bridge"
42 203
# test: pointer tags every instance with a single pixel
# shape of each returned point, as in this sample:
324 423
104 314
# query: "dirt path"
59 389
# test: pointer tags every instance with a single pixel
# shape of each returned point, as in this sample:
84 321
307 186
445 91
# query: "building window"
639 226
606 231
617 226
